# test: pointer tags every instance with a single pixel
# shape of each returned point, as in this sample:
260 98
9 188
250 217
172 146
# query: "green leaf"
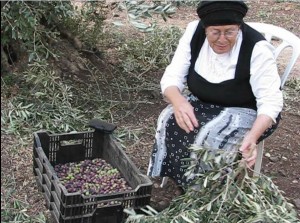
216 176
132 16
139 25
31 57
187 219
236 201
167 7
204 157
208 208
205 182
158 8
218 159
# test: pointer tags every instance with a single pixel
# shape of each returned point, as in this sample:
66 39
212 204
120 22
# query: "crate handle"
102 126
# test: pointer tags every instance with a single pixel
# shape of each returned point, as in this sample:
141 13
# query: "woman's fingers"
193 119
249 154
185 116
185 122
182 122
188 123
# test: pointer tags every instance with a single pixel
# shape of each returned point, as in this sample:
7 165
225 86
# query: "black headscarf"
213 13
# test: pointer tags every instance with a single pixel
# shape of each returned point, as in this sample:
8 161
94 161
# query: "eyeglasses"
215 34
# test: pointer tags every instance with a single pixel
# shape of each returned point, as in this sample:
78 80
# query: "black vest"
230 93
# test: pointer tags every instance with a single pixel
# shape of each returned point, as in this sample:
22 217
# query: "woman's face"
222 38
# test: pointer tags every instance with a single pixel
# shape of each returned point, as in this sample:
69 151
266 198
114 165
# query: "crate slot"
38 174
71 142
47 192
39 165
47 196
47 181
39 184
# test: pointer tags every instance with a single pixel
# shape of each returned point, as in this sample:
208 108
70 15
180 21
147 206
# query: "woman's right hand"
184 114
183 110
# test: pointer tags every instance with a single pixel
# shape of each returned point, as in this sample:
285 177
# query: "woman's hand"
249 147
183 110
249 153
184 115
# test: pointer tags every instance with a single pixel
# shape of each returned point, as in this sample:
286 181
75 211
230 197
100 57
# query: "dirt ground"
282 149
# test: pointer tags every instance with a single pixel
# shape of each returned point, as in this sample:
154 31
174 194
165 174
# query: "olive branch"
222 192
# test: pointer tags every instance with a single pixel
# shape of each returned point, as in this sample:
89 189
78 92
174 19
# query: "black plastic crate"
52 149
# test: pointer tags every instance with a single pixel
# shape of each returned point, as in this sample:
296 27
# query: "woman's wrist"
173 95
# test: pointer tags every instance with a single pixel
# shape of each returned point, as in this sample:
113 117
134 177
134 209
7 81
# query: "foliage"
32 25
294 83
88 23
29 27
152 51
44 102
192 3
14 208
137 11
223 193
26 23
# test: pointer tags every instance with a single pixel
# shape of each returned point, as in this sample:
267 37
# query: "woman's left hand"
249 153
249 146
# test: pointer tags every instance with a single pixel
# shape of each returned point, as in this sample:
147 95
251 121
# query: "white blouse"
216 68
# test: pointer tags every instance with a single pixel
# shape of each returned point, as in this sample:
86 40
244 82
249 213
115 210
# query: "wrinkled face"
222 38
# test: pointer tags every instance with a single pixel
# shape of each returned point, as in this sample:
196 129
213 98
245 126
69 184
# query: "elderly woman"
234 98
